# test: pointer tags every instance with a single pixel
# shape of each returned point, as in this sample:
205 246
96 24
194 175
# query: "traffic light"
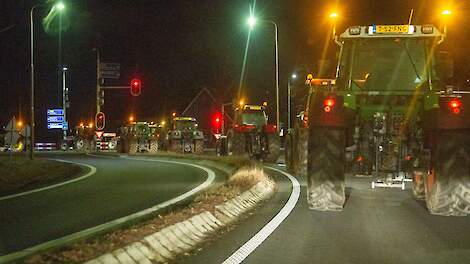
100 121
217 120
136 87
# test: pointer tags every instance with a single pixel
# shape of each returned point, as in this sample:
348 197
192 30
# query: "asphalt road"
119 188
376 226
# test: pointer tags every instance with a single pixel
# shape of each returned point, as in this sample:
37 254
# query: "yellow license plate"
393 29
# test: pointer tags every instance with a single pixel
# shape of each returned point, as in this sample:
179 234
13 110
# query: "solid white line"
73 237
244 251
91 172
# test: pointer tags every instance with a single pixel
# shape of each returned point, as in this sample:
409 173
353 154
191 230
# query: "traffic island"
19 174
168 237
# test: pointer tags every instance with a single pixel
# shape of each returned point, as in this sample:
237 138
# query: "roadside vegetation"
248 173
20 173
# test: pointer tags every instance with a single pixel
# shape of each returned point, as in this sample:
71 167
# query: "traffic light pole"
98 86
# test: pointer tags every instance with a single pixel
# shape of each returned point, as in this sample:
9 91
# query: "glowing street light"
334 15
251 21
446 12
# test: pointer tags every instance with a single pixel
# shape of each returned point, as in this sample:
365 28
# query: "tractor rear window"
253 118
385 64
185 125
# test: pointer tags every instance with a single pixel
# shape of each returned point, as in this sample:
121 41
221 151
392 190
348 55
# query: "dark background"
178 47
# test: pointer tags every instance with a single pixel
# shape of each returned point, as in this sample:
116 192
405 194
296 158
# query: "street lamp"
251 22
64 100
60 6
289 83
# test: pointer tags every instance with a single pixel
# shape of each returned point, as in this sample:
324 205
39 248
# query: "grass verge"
242 180
20 173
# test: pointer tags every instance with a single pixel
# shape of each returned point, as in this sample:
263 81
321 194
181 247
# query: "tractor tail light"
455 105
328 104
270 129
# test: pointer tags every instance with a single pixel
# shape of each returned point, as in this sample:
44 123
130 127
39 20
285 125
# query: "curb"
166 244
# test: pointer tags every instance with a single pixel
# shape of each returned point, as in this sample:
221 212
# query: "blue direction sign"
65 125
55 119
55 112
55 126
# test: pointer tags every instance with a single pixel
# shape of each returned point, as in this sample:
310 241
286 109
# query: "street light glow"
334 15
60 6
251 21
294 76
446 12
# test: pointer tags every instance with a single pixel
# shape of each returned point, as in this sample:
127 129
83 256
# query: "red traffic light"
100 121
217 120
136 87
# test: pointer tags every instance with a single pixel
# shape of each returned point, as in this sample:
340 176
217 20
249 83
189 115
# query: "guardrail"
45 146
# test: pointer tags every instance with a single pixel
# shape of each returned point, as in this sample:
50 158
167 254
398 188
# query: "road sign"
55 119
55 125
55 112
99 134
110 70
65 125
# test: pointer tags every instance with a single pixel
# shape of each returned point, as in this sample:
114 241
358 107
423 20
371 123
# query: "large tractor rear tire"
199 146
274 148
133 146
236 143
418 185
447 186
81 145
153 146
326 159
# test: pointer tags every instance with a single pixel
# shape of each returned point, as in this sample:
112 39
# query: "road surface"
376 226
120 187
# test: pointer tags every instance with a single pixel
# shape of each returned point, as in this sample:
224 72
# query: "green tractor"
84 139
389 114
139 137
251 134
184 136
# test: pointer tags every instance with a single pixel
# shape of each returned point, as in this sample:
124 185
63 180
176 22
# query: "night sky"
178 47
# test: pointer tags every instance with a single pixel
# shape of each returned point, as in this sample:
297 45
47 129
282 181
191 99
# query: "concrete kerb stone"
182 236
193 229
157 247
163 246
108 258
122 256
149 253
136 254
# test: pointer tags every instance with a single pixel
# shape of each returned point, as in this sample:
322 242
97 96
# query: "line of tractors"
181 135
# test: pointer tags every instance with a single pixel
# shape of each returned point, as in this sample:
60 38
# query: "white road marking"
93 230
244 251
91 172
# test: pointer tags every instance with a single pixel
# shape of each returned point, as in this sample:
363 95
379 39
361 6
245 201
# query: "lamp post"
60 7
289 84
252 22
64 99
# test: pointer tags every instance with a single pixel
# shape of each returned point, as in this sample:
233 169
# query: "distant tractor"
139 137
184 136
252 135
83 140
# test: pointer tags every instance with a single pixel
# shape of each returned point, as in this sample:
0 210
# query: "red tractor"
251 134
